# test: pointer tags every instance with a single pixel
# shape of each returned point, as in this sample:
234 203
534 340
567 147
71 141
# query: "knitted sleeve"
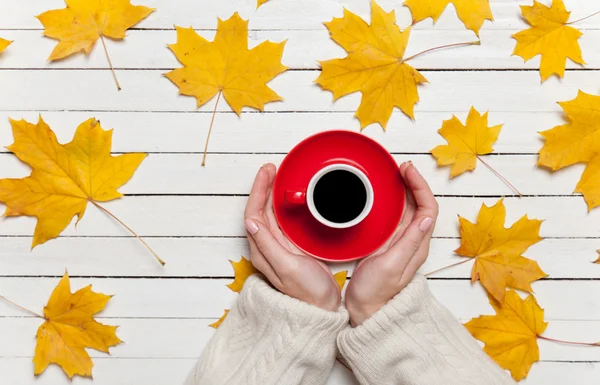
269 338
414 340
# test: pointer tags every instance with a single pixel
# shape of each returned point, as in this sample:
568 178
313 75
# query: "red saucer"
318 240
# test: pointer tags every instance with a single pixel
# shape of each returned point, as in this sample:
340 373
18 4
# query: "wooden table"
192 216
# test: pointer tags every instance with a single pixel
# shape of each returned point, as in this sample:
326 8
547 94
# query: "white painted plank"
202 298
223 216
289 14
145 49
150 91
279 132
185 338
208 257
233 174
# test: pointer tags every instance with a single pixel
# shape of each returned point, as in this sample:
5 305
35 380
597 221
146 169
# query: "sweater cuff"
264 305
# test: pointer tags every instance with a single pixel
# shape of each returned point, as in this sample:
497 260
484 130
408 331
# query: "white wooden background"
192 216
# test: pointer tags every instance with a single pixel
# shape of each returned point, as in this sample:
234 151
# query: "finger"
403 168
406 247
272 250
424 198
261 264
258 195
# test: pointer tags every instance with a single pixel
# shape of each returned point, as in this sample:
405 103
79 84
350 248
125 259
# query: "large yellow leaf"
3 44
472 13
510 336
70 328
83 22
242 270
497 250
465 142
578 141
226 66
550 37
374 66
64 177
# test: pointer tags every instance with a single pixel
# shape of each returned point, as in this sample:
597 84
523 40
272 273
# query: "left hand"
289 269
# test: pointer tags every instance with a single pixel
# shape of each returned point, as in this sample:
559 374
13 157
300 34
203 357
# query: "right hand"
287 268
381 276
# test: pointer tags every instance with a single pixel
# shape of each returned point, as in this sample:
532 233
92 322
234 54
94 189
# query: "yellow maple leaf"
70 328
550 37
473 13
3 44
260 2
226 67
497 250
218 323
242 270
64 177
510 336
578 141
465 142
374 66
83 22
340 278
598 260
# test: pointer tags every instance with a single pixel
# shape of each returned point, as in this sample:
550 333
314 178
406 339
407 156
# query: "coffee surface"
340 196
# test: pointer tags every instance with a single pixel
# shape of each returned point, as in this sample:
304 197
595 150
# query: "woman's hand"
288 269
379 277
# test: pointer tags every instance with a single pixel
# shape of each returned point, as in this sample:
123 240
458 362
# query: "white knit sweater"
269 338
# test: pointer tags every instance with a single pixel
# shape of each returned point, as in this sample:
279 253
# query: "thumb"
412 238
270 247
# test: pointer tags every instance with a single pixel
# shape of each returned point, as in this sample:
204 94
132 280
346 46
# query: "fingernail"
252 227
425 224
410 162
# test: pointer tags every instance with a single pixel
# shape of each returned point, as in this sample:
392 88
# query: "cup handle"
295 197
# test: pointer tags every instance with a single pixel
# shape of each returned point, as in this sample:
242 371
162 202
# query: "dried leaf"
226 65
510 336
578 141
64 177
260 2
3 44
374 66
550 37
242 270
473 13
83 22
465 142
340 278
497 250
218 323
70 328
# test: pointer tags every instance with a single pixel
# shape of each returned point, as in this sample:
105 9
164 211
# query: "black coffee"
340 196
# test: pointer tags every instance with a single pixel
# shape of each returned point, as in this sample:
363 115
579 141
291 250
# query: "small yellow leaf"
550 37
242 270
497 250
64 177
374 66
510 336
578 141
226 65
82 22
465 142
473 13
218 323
340 278
260 2
3 44
598 260
70 328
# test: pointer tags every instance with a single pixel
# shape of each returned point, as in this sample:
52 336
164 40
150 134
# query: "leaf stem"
447 267
130 230
585 18
478 42
212 120
22 308
499 176
110 63
569 342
